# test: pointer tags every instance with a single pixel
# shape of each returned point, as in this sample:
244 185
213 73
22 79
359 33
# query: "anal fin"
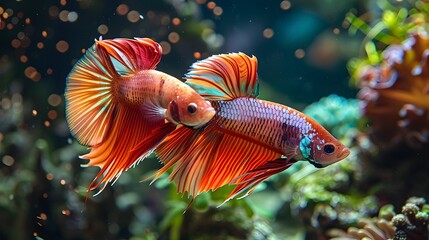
210 158
252 178
132 137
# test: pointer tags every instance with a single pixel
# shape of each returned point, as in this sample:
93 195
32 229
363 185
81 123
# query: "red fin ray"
132 55
188 174
174 147
131 139
211 159
224 77
252 178
89 111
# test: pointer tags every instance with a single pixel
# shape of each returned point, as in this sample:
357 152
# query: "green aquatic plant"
393 77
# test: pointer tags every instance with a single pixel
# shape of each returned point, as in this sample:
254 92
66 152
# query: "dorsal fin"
225 76
130 56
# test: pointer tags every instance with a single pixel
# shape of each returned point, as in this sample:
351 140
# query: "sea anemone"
395 94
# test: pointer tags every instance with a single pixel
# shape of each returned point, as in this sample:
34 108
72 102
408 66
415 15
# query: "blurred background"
357 67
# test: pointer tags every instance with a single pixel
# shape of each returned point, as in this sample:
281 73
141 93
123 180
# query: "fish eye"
329 148
192 108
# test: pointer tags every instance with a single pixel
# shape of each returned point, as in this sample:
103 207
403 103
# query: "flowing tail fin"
118 134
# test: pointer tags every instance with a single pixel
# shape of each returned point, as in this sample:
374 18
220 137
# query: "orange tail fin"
209 159
118 134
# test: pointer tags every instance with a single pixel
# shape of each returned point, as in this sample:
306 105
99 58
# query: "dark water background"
302 47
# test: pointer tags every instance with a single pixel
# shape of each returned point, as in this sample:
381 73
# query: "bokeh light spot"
8 160
62 46
6 103
122 9
49 176
102 29
166 47
52 114
211 5
173 37
197 55
32 73
176 21
133 16
43 216
72 16
217 11
16 43
165 20
299 53
64 15
65 212
53 11
336 31
54 100
268 33
285 5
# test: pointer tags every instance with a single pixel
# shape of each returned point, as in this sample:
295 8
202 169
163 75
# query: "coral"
411 223
393 77
395 93
337 114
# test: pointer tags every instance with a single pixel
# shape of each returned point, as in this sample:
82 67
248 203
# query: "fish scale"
278 126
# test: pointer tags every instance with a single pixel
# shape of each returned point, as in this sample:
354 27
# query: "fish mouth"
316 164
344 153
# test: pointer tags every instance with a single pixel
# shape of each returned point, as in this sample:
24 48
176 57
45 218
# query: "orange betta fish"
122 108
248 139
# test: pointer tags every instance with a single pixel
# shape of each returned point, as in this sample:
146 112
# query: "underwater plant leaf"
173 218
356 24
372 53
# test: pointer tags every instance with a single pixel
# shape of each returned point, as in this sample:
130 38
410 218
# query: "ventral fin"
131 139
225 76
209 158
249 180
